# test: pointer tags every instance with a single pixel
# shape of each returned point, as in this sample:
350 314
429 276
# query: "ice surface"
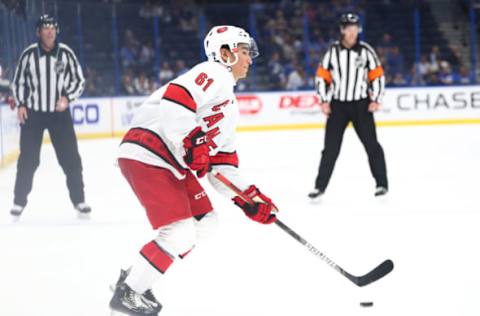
52 263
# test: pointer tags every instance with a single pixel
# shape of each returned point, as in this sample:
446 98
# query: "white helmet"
231 36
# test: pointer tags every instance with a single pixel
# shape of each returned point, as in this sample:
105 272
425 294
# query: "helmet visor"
253 49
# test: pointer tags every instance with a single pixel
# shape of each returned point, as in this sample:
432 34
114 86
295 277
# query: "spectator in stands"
130 49
155 8
127 87
146 10
314 60
463 76
280 21
296 79
424 67
90 89
128 55
386 42
289 46
296 21
413 78
130 39
92 83
456 55
445 75
165 74
382 55
434 59
146 55
432 79
399 79
180 67
277 72
188 21
395 60
141 84
318 44
152 85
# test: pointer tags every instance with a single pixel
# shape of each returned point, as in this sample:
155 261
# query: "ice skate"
148 293
83 210
380 191
127 301
315 195
16 211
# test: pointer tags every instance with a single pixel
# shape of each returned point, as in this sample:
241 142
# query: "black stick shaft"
309 246
380 271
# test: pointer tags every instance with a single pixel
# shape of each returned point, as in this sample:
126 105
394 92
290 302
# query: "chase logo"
85 114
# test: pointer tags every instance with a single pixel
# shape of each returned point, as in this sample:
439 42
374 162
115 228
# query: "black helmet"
47 20
349 18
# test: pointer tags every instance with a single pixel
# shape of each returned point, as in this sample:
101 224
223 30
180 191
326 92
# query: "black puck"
366 304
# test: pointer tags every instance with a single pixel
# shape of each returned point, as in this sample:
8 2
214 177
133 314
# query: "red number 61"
200 80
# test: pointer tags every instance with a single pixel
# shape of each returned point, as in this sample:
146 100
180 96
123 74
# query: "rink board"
9 135
107 117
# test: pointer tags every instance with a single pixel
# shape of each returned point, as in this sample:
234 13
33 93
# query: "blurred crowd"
433 69
297 34
292 35
292 40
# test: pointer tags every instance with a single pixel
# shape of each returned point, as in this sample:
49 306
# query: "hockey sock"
152 263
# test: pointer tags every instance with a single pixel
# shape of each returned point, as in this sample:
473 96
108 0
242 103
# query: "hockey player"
186 126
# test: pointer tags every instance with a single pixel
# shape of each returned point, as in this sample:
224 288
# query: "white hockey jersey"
203 97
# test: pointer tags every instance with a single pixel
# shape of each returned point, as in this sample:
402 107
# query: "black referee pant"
363 123
64 141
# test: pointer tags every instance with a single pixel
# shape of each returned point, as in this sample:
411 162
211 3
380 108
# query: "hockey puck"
366 304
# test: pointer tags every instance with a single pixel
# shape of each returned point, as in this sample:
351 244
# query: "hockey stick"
379 272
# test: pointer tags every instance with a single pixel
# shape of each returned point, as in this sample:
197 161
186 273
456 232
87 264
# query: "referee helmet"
350 18
46 20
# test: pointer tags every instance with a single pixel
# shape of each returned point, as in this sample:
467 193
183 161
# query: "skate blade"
83 216
15 218
117 313
382 199
316 200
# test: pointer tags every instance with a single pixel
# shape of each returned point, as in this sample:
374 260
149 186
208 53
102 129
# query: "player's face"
47 35
350 34
240 69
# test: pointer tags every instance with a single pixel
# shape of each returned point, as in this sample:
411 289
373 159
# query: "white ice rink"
52 263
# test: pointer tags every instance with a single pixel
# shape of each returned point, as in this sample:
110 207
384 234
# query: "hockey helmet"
230 36
350 18
46 20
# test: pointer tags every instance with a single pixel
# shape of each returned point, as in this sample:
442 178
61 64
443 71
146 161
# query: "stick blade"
379 272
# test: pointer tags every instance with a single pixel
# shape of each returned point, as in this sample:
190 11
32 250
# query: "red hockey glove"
196 148
262 210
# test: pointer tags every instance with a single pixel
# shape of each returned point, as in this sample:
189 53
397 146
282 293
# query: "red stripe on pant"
153 143
156 256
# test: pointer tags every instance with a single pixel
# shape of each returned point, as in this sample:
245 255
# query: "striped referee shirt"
350 74
41 77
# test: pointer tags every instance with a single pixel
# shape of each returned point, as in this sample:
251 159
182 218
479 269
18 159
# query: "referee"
48 77
351 76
